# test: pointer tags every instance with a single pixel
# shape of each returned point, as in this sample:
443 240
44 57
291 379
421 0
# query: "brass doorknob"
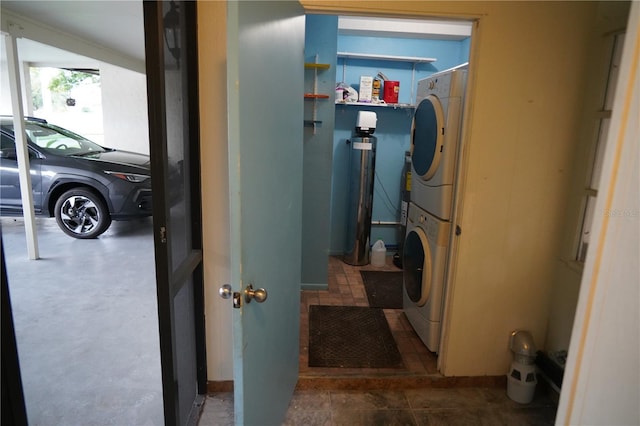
225 291
259 295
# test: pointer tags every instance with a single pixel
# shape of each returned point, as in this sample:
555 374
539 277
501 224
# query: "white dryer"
435 134
424 260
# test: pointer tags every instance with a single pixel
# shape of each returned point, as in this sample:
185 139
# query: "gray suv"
84 185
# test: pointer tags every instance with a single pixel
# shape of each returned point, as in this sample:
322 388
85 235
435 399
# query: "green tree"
66 80
36 88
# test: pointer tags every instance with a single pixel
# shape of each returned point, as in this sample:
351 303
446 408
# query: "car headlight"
129 177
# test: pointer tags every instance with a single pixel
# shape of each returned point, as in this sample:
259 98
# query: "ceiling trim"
408 28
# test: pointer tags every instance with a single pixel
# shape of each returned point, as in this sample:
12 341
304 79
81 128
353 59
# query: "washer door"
416 264
427 137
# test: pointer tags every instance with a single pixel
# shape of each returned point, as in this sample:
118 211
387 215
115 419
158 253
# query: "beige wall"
611 19
521 134
215 185
526 91
601 378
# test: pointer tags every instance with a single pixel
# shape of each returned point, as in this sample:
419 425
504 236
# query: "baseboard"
219 386
312 286
399 382
380 383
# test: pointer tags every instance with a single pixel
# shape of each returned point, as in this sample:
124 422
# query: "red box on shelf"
391 91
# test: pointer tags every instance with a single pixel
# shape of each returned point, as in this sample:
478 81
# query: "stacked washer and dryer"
435 138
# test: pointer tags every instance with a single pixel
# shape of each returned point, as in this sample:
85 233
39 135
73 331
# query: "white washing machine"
424 259
435 134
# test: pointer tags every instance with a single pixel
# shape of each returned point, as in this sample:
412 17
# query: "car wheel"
82 214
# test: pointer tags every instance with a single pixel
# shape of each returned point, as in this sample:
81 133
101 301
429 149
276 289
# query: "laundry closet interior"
347 48
342 55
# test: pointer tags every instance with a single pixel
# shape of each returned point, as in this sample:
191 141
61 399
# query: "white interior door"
265 72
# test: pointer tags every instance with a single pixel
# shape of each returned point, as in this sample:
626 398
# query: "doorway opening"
69 98
401 50
86 312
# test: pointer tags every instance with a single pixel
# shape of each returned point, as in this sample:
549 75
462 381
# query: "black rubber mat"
384 288
351 337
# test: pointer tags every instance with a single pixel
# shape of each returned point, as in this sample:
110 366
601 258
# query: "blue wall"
326 154
320 39
393 127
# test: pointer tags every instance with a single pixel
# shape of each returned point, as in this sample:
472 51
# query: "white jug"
378 253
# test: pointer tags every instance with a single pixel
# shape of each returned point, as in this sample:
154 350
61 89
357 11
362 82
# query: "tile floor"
347 289
415 395
422 407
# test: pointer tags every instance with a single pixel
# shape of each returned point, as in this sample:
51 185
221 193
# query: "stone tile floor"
424 407
342 396
347 289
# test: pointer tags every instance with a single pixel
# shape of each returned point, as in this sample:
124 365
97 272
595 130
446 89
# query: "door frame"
158 151
14 409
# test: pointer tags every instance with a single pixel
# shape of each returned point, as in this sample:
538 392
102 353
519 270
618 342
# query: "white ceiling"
116 25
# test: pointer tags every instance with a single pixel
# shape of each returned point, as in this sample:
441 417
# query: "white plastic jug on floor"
378 253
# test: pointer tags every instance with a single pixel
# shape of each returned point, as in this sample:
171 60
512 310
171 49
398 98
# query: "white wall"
124 106
602 378
5 94
124 92
124 109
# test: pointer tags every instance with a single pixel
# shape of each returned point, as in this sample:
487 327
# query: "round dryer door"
427 137
416 265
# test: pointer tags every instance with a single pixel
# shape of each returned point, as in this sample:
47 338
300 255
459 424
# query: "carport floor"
86 324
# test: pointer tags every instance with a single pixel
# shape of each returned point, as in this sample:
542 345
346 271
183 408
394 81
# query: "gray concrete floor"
86 324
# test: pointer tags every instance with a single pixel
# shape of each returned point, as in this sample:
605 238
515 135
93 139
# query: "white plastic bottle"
378 253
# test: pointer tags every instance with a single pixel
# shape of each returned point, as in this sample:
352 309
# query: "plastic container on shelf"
391 91
378 254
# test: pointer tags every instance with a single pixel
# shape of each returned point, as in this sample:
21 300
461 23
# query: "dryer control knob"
432 84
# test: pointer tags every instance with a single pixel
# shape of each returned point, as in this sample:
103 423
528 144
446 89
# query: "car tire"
82 214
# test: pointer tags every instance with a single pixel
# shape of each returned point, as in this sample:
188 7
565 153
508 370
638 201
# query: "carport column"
21 146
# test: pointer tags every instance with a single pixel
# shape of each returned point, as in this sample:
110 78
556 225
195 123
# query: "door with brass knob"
259 295
264 167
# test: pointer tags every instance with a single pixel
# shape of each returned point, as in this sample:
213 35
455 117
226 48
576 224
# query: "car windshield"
56 140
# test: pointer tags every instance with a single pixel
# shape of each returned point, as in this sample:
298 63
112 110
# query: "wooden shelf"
374 105
414 59
315 96
313 65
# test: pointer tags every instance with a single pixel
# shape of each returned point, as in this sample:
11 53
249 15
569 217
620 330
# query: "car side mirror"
8 154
